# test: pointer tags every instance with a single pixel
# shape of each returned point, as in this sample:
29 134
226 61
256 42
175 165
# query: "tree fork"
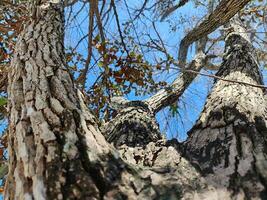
114 130
55 148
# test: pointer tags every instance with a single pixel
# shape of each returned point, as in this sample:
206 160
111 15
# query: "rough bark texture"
229 141
57 152
223 12
135 125
55 149
47 128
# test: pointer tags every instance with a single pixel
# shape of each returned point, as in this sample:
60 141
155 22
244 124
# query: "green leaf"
3 101
174 109
100 64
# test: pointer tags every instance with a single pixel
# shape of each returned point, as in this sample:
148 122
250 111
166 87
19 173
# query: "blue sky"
192 101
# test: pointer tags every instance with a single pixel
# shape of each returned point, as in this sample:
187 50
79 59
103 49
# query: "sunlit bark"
228 143
55 148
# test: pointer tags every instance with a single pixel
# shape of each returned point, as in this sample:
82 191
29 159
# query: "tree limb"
166 97
172 9
223 12
226 80
82 77
118 25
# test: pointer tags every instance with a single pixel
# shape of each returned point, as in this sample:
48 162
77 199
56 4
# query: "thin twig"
118 25
224 11
172 9
140 11
223 79
90 40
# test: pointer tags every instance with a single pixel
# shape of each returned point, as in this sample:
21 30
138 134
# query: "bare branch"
168 96
227 80
221 15
118 25
172 9
90 39
224 11
140 11
69 2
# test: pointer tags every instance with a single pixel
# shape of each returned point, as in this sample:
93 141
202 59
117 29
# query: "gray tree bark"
221 15
56 150
229 143
47 127
135 125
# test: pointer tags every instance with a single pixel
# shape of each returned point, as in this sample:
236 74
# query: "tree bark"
171 94
135 125
229 143
221 15
55 148
47 128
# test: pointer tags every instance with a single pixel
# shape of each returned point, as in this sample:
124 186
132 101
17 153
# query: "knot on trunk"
134 125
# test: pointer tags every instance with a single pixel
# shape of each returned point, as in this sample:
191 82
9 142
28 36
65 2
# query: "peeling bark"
229 142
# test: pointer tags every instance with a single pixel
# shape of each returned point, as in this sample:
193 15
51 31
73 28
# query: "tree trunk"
47 127
55 148
229 141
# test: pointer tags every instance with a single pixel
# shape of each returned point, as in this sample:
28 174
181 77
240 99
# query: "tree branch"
118 25
172 9
169 95
82 77
227 80
223 12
